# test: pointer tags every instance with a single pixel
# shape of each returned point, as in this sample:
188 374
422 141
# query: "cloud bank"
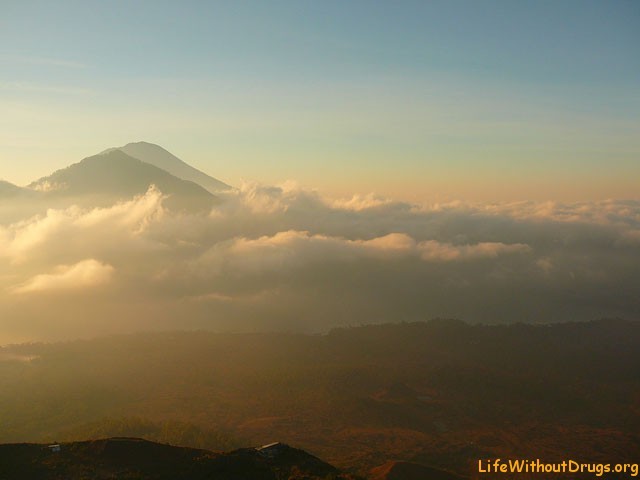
281 257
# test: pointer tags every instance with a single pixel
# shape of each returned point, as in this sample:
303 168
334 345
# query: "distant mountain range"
123 172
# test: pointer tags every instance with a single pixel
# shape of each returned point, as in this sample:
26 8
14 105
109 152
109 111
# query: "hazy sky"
480 100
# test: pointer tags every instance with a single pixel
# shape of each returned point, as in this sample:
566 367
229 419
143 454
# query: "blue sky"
486 100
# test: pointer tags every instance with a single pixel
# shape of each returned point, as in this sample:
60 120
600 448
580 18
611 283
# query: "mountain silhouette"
161 158
113 175
123 457
8 190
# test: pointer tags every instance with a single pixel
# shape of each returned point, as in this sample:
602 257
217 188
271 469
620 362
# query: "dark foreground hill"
134 458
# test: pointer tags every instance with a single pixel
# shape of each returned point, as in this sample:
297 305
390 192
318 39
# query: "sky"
393 161
439 100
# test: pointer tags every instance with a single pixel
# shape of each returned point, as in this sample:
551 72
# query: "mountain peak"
143 144
162 158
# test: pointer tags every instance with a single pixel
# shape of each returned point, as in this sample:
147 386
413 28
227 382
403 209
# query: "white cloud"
73 230
85 274
362 202
295 247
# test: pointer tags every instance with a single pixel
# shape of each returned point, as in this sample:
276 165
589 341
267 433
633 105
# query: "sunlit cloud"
85 274
361 202
435 251
294 247
281 256
63 232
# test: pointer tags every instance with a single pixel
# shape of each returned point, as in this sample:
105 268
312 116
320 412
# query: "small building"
272 450
55 448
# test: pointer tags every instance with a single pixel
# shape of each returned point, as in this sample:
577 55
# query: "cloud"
296 248
85 274
63 233
545 264
271 257
362 202
435 251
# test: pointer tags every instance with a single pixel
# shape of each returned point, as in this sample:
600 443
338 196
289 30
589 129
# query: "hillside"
115 175
441 393
133 458
9 190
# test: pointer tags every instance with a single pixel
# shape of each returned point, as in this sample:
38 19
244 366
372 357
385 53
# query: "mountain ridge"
127 457
162 158
8 189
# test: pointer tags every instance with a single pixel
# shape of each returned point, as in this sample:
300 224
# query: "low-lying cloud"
282 257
